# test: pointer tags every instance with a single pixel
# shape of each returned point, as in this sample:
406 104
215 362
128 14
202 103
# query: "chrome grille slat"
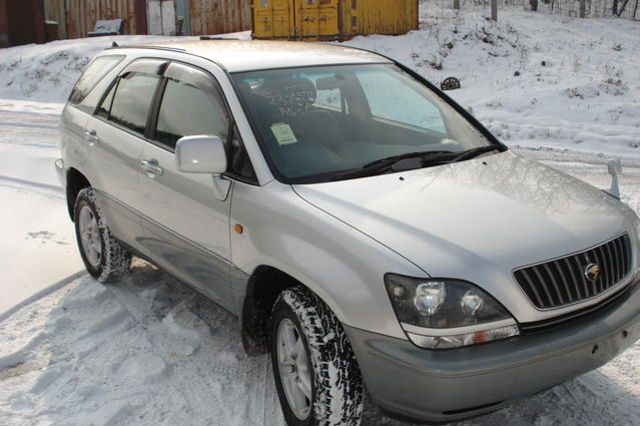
561 282
626 253
611 278
541 280
533 287
554 283
573 278
620 248
558 270
616 261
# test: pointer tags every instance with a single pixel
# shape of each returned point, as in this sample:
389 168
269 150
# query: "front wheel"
316 373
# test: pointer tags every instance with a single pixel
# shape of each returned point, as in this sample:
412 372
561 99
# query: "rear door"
115 139
186 228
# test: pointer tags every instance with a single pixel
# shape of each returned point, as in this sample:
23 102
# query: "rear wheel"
104 257
316 373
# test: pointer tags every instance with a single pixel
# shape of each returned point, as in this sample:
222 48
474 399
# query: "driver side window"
187 110
192 103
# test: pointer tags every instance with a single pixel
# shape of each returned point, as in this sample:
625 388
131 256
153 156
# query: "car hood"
476 220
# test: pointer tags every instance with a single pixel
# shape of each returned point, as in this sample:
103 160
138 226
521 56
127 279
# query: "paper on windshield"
283 133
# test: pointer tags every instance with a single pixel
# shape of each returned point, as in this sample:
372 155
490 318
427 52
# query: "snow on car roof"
248 55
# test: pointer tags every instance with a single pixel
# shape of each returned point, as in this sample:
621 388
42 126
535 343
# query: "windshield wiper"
428 159
384 165
390 161
474 152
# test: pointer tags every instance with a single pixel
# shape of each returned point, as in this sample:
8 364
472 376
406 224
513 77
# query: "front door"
185 226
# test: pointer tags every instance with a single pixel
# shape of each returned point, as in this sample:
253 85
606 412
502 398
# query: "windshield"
317 123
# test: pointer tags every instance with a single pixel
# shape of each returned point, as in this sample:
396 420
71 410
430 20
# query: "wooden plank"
219 16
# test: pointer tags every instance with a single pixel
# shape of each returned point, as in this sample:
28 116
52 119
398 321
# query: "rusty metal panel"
273 19
378 17
296 19
219 16
316 19
331 19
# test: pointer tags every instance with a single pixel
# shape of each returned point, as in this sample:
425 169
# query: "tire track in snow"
138 311
51 191
29 119
30 113
29 129
29 125
161 329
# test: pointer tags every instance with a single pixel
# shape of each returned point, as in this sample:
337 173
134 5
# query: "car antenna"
114 44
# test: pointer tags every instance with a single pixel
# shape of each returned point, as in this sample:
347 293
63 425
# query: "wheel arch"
263 288
76 181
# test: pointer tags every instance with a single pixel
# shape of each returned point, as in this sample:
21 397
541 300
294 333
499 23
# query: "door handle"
151 167
92 137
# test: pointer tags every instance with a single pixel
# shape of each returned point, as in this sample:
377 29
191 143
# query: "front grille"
585 314
564 281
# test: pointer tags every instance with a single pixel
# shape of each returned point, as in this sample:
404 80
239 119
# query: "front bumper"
440 386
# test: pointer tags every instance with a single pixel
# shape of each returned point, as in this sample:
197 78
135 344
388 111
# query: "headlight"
442 314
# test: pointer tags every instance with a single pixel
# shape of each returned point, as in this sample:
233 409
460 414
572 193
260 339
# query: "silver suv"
367 231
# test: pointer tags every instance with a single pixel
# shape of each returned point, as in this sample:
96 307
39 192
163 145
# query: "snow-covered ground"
577 83
148 350
38 245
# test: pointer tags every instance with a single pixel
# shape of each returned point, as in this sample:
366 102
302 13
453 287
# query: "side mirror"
615 167
201 154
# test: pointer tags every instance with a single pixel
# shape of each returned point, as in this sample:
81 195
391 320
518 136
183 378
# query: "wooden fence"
77 17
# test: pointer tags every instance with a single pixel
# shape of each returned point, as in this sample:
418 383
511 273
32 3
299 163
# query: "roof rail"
205 37
149 46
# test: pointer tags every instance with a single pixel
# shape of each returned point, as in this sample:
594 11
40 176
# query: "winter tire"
450 83
316 373
104 258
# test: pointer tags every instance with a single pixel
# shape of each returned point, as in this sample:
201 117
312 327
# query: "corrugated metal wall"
81 15
332 19
382 16
219 16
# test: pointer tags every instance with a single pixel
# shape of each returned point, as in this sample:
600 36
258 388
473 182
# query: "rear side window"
97 69
187 110
132 100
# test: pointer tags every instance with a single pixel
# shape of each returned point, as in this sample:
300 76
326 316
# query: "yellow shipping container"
332 19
